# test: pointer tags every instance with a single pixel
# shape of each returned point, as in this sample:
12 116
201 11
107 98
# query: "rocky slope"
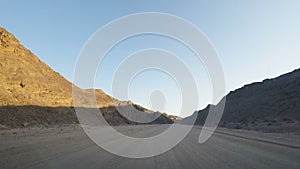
271 105
32 93
25 80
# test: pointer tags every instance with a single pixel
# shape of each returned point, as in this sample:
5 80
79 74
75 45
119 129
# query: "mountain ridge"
270 105
27 82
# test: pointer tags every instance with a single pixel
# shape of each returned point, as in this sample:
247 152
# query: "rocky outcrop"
32 93
270 105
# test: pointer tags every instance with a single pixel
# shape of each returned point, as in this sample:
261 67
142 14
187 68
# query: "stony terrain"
69 147
31 93
272 105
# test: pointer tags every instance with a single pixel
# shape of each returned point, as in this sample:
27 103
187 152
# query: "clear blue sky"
254 39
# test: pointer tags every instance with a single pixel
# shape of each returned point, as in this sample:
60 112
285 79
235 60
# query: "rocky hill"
25 80
32 93
271 105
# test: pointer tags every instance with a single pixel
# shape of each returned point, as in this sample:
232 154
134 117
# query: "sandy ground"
68 147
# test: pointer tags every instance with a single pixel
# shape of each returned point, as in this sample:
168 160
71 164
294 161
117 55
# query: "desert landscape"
149 85
268 106
33 94
39 129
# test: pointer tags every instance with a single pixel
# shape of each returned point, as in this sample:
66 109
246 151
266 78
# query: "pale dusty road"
70 148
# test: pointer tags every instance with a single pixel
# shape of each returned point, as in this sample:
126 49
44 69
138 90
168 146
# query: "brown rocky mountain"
25 80
32 93
271 105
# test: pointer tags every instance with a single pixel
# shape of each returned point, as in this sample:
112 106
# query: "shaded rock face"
31 93
112 113
272 99
271 105
24 116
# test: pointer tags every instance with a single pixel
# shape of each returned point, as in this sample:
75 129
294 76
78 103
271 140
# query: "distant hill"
271 105
32 93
